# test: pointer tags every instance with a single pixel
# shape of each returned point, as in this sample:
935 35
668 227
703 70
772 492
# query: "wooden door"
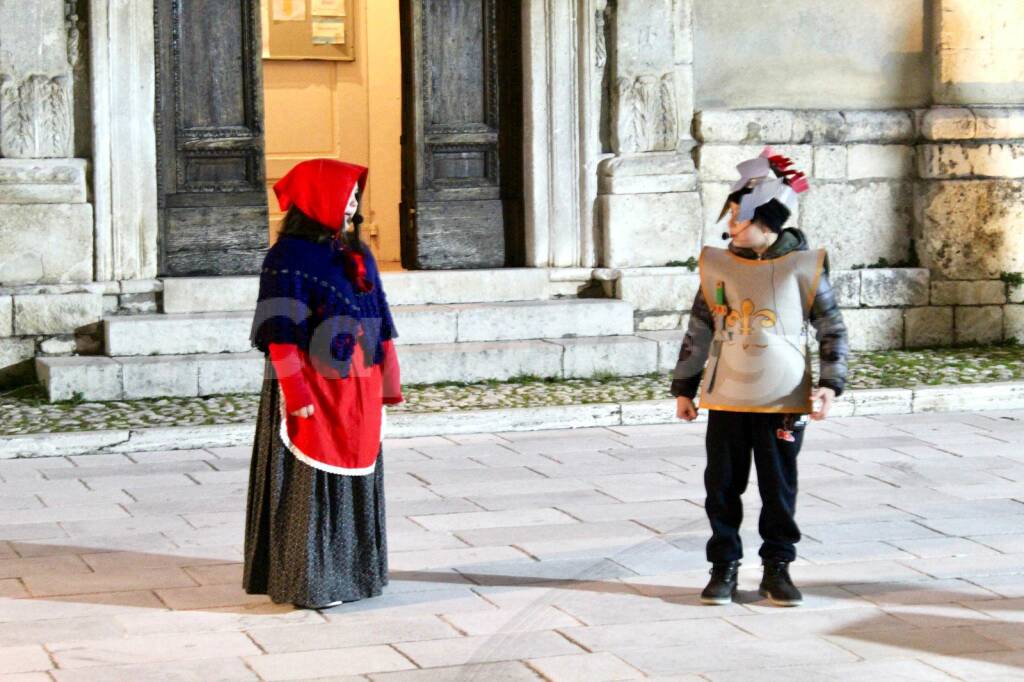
462 134
209 115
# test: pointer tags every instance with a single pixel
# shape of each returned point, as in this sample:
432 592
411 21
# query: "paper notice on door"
328 8
288 10
329 31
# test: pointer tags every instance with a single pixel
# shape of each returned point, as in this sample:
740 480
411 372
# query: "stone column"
45 222
648 205
969 201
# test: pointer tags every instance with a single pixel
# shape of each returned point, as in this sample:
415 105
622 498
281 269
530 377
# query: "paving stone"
599 667
223 670
152 649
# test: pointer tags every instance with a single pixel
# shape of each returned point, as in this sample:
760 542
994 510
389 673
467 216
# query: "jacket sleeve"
392 375
288 366
694 351
833 345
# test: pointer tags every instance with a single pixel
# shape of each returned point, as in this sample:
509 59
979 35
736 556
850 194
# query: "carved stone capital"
36 115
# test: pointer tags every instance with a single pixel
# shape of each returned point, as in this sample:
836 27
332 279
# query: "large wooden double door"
461 140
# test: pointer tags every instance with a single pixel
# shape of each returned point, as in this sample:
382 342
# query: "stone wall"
884 308
811 54
63 319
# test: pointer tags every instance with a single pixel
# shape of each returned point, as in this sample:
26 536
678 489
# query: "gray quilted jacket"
825 317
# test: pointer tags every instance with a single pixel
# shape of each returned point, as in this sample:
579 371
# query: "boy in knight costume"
749 326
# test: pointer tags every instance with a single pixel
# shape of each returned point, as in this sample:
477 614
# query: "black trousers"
731 437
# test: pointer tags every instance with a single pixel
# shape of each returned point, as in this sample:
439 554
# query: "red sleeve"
288 366
392 375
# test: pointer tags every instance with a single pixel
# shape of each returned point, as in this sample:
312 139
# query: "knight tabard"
759 360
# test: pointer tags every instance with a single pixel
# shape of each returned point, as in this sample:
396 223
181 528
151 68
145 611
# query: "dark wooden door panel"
458 174
213 214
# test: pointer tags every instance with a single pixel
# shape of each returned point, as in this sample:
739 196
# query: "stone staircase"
454 326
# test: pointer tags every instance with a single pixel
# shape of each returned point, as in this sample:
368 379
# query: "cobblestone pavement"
25 411
564 555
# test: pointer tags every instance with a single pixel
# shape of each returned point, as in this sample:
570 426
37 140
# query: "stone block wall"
884 308
860 165
63 319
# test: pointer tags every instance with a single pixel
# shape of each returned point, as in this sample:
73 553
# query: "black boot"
722 586
778 586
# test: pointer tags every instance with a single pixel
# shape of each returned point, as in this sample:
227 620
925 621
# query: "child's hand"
304 412
685 409
826 396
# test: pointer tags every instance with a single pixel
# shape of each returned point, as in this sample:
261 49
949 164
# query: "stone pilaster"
969 202
649 209
45 222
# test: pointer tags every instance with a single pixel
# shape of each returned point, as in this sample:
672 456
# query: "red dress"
344 432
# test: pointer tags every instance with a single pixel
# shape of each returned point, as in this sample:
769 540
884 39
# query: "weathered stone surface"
719 161
652 322
971 160
650 229
177 334
209 294
682 16
966 292
647 184
887 287
1013 322
94 378
879 161
874 328
879 126
817 126
55 314
138 286
669 342
802 54
929 326
66 229
619 355
543 319
846 286
651 163
58 345
137 303
830 162
230 373
877 401
971 230
159 376
999 123
6 316
948 123
42 181
669 293
979 324
425 324
463 286
713 196
751 126
13 352
111 303
1007 395
1015 294
433 363
860 223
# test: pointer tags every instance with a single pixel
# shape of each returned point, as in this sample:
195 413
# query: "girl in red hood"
315 534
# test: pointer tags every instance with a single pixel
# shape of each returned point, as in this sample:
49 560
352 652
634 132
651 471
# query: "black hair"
772 215
298 224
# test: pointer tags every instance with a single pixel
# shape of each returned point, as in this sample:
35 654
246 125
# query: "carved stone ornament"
74 35
37 117
646 119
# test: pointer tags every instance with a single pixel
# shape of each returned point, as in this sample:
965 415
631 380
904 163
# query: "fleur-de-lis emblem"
746 316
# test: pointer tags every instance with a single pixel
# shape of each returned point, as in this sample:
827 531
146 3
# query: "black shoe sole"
779 602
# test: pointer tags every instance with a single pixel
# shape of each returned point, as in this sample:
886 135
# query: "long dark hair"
298 224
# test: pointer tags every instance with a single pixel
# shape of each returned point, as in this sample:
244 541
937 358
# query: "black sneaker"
722 586
778 586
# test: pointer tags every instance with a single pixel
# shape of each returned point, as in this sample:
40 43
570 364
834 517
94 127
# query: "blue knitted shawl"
305 299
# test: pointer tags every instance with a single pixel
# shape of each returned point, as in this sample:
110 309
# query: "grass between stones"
25 410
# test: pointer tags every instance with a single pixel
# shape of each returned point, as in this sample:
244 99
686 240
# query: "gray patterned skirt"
311 537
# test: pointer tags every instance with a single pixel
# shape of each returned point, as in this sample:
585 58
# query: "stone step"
131 377
228 332
222 294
